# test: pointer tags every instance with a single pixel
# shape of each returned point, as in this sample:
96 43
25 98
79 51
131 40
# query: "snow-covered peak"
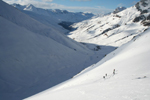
119 9
30 7
18 6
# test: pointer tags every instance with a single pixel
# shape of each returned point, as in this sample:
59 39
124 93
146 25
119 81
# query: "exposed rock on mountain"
119 9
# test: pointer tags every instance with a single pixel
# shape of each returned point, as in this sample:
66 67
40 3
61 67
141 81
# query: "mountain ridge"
78 16
54 17
112 30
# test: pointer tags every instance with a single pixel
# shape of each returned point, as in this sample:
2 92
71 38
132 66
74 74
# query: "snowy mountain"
112 30
119 9
130 81
34 56
122 74
53 16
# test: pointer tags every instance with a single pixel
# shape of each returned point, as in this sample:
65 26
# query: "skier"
104 77
114 72
106 74
106 34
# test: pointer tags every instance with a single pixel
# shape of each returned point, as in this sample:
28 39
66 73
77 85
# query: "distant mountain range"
59 15
53 16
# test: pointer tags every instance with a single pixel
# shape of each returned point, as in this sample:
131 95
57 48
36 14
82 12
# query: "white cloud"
22 2
47 0
44 4
134 2
120 5
90 9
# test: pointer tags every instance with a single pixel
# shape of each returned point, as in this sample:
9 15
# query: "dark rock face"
148 17
139 18
142 3
146 23
142 7
144 11
138 6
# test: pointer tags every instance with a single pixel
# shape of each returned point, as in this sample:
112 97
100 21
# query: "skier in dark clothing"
104 77
114 72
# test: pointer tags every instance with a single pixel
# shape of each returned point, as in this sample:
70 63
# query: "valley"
56 54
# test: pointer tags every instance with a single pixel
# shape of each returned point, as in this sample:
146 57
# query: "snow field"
131 81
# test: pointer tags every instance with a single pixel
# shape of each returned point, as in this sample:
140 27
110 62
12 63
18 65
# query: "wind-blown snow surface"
34 56
113 30
131 81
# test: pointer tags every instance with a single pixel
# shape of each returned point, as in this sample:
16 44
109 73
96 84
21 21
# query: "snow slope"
131 81
23 20
131 60
113 30
34 56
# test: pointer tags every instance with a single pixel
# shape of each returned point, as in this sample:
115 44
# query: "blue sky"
94 6
112 4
